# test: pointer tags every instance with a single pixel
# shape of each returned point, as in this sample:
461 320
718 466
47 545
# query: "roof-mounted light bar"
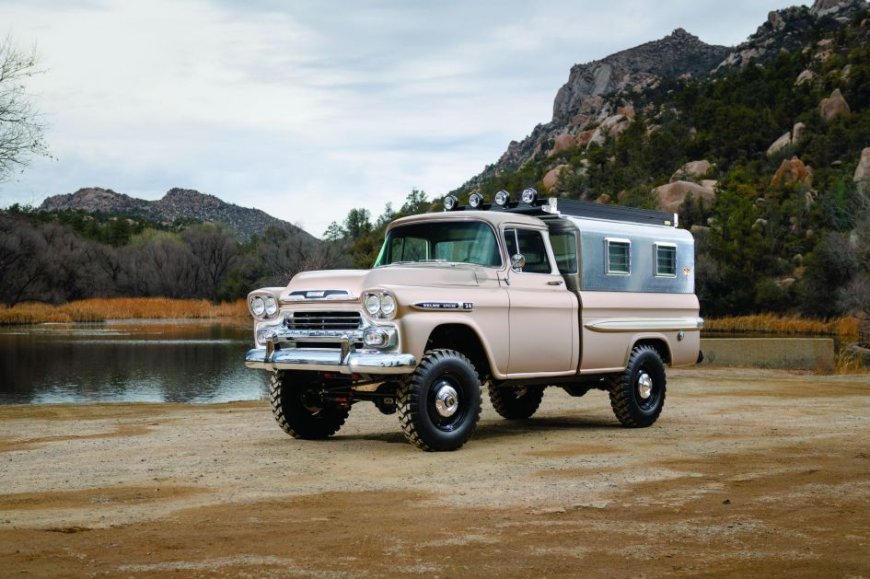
531 204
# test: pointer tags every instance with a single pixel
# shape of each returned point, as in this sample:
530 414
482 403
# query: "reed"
845 328
102 309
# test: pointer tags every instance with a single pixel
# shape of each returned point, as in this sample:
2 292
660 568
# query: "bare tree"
215 251
283 253
21 132
23 267
159 264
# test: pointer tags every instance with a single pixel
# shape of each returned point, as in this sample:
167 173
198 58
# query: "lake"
128 361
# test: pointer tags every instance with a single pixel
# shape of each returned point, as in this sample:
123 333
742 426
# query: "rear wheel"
439 403
637 395
299 408
516 403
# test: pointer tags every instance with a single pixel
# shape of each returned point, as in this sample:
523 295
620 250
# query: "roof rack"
553 207
576 208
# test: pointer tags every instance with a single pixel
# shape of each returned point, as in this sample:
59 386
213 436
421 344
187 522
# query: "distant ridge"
177 204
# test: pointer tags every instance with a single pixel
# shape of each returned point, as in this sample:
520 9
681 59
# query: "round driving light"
450 202
502 198
529 196
258 306
388 304
271 306
372 304
475 200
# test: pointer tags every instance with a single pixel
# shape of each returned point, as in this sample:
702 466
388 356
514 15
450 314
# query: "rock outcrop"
596 101
693 170
563 142
793 171
551 179
598 93
786 140
677 54
671 196
834 106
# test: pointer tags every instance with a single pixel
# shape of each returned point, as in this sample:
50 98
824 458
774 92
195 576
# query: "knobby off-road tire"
516 403
439 403
637 395
299 409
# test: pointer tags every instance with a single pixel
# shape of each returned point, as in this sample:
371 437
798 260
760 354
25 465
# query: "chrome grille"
323 321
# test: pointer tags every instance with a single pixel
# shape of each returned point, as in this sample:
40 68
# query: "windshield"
441 241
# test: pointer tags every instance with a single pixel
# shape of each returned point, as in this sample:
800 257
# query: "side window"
530 244
618 256
666 259
565 249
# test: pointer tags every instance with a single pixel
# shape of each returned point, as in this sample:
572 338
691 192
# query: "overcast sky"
308 109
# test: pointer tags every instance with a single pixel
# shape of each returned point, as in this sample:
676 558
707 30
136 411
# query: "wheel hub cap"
644 386
446 401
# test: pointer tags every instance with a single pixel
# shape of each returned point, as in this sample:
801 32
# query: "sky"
309 109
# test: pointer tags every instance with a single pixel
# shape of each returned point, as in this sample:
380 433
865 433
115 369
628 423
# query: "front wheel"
299 408
439 403
637 395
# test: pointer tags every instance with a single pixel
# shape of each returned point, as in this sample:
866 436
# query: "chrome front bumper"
331 360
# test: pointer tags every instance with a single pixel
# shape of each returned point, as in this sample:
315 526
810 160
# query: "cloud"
307 110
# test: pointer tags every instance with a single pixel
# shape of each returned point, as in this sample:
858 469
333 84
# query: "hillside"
178 205
763 149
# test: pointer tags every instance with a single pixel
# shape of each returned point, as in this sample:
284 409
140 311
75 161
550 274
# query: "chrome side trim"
645 325
450 306
331 360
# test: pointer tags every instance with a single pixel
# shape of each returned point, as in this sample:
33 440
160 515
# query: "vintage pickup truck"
516 295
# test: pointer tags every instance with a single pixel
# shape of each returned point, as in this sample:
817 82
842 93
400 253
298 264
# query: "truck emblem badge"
463 306
687 270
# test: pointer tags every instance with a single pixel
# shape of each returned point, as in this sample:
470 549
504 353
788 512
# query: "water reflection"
127 362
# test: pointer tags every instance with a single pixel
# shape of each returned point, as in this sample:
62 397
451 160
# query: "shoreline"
219 489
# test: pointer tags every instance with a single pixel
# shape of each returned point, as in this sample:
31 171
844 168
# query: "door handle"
558 282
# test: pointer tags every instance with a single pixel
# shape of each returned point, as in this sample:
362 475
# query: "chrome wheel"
637 394
439 403
644 386
446 399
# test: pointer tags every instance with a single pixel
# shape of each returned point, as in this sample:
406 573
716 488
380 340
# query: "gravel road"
747 472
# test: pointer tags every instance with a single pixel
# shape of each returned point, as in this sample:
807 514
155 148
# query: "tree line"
59 257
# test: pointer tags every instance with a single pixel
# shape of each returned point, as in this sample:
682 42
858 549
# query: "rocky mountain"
763 149
177 205
601 97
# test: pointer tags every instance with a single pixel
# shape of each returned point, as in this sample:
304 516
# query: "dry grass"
102 309
844 328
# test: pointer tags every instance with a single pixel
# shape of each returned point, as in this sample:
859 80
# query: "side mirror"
518 262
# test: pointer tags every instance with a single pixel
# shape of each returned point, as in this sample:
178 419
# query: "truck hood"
355 281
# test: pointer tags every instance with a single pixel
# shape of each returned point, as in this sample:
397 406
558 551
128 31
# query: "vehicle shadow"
505 428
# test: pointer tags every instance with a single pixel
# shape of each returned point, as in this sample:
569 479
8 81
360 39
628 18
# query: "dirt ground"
747 473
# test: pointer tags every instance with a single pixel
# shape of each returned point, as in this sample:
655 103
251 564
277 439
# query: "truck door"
543 313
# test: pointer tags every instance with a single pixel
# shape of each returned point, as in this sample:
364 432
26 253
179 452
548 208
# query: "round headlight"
475 200
450 202
372 304
258 306
388 305
529 196
271 306
502 198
